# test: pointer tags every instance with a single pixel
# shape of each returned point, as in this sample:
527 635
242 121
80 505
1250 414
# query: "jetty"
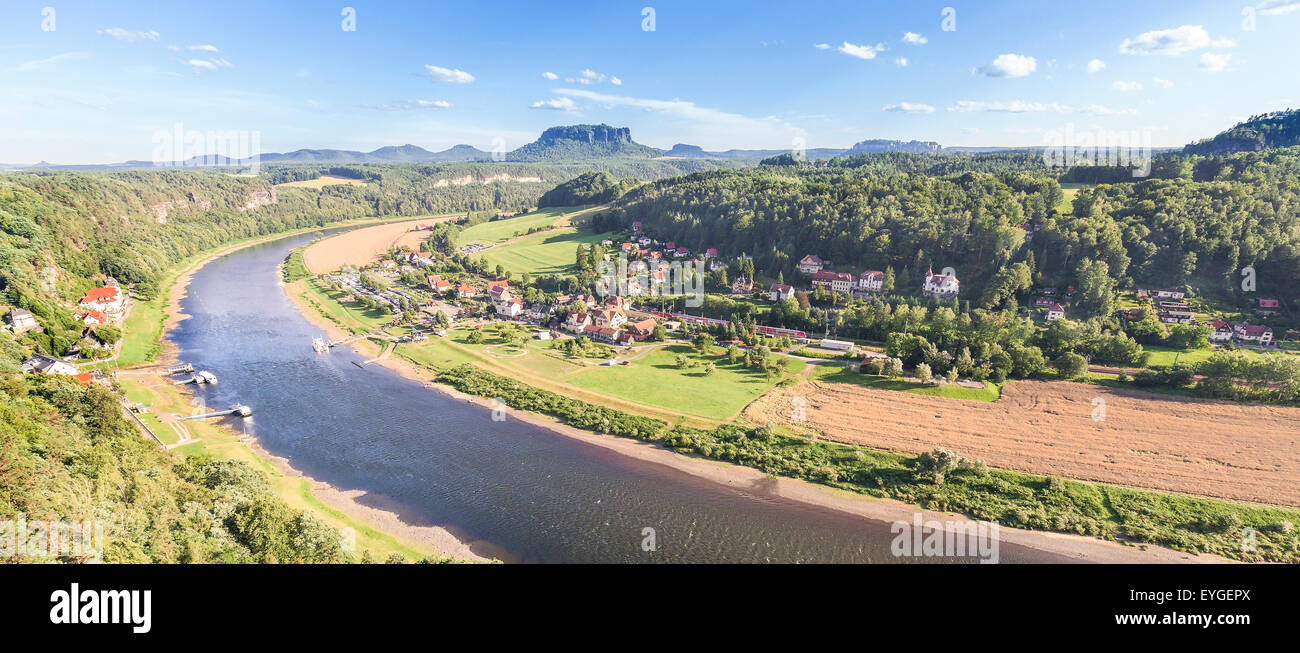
239 409
183 368
202 377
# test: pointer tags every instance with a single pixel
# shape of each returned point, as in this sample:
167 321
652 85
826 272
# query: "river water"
512 490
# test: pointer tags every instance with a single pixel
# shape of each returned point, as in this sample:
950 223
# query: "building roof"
827 275
1254 330
872 274
781 288
1268 303
100 295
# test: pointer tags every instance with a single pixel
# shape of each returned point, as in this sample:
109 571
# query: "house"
716 264
42 364
438 284
1259 334
90 318
107 299
871 280
22 320
1267 306
642 330
940 286
499 292
510 308
636 226
834 281
711 252
539 312
1177 317
742 286
387 263
497 284
631 248
1043 302
616 302
1168 293
681 252
780 292
1055 312
1222 331
464 290
577 322
608 318
670 246
811 264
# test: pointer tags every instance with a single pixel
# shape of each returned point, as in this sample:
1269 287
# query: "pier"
241 410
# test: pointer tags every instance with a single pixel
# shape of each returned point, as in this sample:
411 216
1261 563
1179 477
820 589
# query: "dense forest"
587 188
1268 130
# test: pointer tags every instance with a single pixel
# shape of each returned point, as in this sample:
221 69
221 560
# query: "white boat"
319 345
206 377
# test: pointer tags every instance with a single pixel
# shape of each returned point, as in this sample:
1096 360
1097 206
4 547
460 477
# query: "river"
508 488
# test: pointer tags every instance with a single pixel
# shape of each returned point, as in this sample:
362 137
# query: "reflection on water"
515 490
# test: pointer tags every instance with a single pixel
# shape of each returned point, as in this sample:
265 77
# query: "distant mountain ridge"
1261 132
388 154
864 147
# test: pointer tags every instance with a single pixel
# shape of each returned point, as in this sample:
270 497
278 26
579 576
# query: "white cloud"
1126 86
914 39
41 63
588 77
1277 7
908 107
861 51
901 62
1014 106
129 36
615 81
174 48
200 65
1096 65
1215 62
555 104
448 75
822 46
407 105
1100 110
1162 83
550 75
1010 65
1171 42
202 48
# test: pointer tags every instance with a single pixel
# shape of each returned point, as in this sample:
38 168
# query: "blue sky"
107 78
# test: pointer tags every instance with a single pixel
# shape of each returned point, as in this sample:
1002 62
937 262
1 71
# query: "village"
100 313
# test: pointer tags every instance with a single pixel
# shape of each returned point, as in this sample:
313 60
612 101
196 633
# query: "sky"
97 82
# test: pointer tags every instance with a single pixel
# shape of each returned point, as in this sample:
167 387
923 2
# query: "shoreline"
380 517
752 481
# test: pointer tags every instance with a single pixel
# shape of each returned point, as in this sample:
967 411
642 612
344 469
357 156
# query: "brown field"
360 246
1202 447
323 181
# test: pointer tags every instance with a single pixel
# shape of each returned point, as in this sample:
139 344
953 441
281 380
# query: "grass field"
655 379
839 374
1164 356
349 315
323 181
498 231
552 252
1070 191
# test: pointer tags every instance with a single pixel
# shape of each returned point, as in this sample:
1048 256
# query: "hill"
578 142
1261 132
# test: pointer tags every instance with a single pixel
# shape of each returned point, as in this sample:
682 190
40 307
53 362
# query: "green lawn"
553 252
497 231
656 380
839 374
346 314
1067 202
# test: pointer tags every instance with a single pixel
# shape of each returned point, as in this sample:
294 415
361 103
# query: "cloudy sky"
91 82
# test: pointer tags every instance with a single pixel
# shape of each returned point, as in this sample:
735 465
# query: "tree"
659 333
1071 366
888 285
702 342
108 333
709 368
1189 336
923 373
440 318
1096 293
475 337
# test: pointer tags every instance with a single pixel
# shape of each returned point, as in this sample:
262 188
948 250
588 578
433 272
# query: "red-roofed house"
833 281
642 330
106 299
576 322
1055 312
438 284
1267 306
872 280
811 264
91 318
711 252
779 292
1222 331
464 290
1248 333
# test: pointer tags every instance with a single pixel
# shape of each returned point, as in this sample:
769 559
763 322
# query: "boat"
319 345
205 377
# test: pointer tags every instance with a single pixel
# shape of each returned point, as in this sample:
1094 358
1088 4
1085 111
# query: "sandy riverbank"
370 509
752 481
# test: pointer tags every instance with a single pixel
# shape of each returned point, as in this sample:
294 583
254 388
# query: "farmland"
358 247
1203 447
323 181
550 252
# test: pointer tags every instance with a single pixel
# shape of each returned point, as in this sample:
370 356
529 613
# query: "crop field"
323 181
360 246
1081 431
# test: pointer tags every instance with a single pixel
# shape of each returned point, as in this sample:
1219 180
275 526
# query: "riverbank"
374 523
754 482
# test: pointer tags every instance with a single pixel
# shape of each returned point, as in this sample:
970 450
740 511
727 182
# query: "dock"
183 368
202 377
240 410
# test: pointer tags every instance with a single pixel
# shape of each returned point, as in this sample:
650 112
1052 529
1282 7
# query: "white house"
1055 312
107 299
1222 331
871 280
21 320
834 281
780 292
1259 334
811 264
510 308
940 286
42 364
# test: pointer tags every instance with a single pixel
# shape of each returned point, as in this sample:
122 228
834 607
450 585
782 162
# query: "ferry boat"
319 345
